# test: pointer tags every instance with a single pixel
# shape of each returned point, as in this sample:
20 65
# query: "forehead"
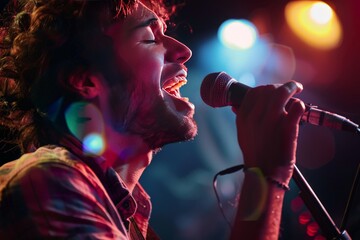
140 14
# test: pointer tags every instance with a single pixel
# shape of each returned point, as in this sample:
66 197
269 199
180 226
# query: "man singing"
79 71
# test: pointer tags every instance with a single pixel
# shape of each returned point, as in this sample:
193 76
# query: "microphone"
219 90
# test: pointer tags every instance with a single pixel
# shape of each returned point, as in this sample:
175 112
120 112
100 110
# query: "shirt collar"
138 203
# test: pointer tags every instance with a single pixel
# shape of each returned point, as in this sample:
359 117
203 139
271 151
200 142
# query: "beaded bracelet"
258 172
278 184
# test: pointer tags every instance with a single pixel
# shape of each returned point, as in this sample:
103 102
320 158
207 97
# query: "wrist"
281 174
280 178
260 191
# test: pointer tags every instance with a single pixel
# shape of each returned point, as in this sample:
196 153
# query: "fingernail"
299 85
291 86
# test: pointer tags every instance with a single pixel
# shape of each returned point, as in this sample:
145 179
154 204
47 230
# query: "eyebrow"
148 22
145 23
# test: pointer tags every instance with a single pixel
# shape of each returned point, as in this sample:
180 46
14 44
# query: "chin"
186 132
164 123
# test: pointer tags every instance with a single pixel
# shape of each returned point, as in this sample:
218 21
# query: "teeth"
179 82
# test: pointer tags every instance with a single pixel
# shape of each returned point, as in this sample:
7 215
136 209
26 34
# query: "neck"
129 156
132 171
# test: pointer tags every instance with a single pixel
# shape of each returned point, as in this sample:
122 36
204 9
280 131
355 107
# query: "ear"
86 84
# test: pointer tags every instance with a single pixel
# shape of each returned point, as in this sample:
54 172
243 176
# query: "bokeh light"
312 229
237 34
321 13
315 23
85 121
304 217
264 63
93 144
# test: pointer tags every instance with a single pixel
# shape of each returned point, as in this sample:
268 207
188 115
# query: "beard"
162 126
158 125
164 133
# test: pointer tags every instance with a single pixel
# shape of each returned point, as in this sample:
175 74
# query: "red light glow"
304 218
312 229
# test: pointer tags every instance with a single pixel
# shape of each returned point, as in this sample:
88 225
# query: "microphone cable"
221 173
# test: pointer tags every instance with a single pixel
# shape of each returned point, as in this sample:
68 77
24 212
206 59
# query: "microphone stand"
318 117
326 224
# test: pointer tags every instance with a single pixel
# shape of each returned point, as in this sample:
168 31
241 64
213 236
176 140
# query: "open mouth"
173 85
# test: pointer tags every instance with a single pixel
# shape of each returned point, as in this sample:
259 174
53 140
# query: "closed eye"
149 41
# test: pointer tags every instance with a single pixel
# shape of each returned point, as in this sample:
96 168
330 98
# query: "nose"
176 51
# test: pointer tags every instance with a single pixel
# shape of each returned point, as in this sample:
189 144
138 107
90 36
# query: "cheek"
147 78
144 66
149 67
144 60
146 95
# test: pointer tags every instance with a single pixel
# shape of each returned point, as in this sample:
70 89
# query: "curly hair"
42 42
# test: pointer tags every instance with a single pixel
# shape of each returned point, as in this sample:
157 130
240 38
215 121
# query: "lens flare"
93 144
86 123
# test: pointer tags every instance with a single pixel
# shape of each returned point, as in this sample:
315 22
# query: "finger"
256 102
283 93
296 109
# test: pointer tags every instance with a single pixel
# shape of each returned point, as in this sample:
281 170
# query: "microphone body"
220 90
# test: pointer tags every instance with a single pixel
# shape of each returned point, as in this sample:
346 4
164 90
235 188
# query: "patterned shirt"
54 193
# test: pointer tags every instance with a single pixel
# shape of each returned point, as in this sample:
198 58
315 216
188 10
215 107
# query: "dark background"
180 176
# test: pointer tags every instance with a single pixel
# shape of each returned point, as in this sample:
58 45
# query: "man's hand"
268 124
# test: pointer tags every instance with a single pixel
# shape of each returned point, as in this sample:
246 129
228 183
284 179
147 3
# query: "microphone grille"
214 89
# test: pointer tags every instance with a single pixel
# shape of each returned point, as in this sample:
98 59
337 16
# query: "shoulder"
45 162
52 188
49 168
